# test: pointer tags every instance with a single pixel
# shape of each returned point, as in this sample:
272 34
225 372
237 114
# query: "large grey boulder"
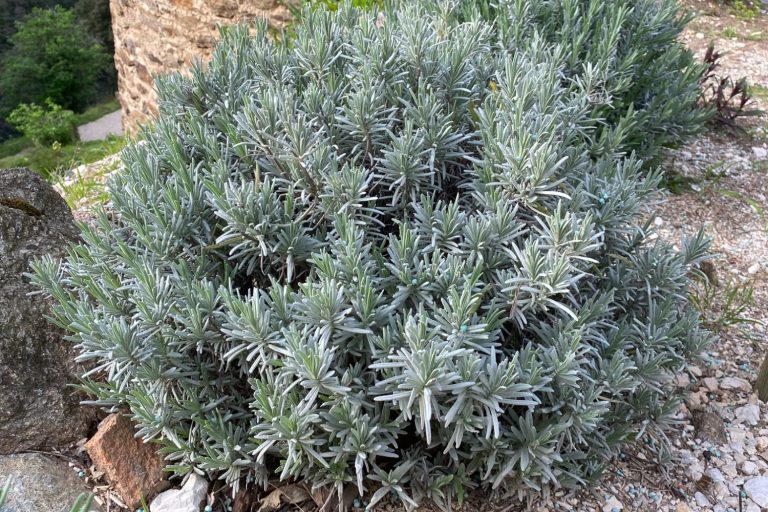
38 407
39 484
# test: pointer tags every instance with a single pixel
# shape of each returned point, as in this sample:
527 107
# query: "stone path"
110 124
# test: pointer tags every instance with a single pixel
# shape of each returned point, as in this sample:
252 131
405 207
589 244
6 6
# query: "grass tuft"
53 161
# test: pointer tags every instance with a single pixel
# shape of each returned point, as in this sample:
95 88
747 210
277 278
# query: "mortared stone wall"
155 37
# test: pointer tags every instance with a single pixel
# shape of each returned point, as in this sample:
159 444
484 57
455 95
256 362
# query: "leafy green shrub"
393 254
44 126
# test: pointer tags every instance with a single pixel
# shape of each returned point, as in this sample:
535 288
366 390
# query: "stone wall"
154 37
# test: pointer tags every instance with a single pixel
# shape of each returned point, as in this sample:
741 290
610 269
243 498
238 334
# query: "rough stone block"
132 466
38 407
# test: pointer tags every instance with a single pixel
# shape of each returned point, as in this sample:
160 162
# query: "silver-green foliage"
651 78
391 254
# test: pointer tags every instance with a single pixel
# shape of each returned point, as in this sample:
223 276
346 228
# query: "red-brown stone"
133 467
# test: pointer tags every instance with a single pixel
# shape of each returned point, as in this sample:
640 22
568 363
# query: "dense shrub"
44 125
395 253
650 79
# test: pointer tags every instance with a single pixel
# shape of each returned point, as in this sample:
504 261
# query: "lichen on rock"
38 407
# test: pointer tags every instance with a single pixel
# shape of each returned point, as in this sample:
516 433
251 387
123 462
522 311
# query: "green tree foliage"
96 19
12 11
44 125
51 57
397 253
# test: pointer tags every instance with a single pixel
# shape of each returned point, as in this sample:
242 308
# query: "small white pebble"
749 467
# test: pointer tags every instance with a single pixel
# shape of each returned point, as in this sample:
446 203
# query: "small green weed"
710 184
758 91
745 9
713 175
4 491
752 203
747 35
678 183
296 7
83 503
84 190
755 36
724 305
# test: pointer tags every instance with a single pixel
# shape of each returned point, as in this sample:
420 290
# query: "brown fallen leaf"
272 501
327 500
322 498
704 485
292 494
295 494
